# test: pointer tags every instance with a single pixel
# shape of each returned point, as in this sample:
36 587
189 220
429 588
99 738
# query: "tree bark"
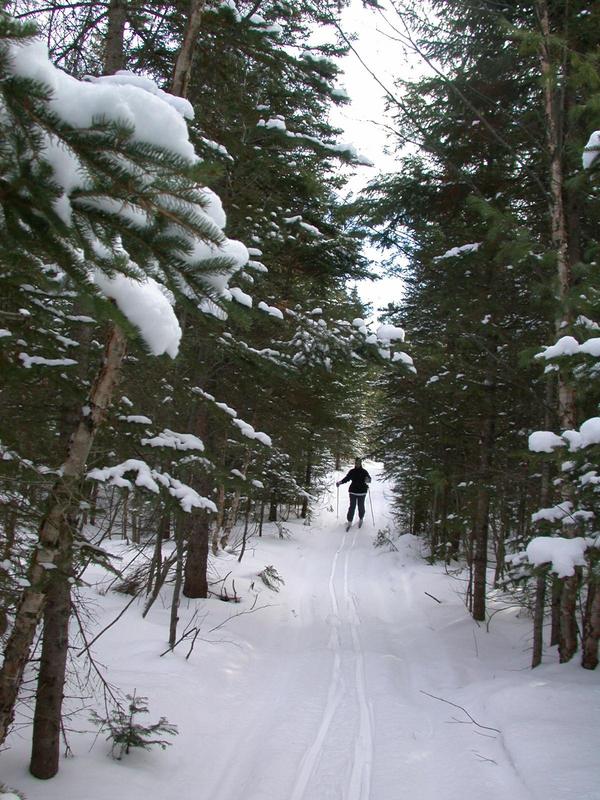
179 543
183 65
557 588
567 642
45 749
114 57
554 110
591 628
538 620
195 580
308 483
482 507
218 523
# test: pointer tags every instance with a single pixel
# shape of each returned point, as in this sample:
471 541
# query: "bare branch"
450 703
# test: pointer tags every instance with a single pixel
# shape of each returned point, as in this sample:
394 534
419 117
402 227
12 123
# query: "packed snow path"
335 710
327 690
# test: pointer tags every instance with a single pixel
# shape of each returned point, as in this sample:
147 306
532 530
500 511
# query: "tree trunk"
554 108
591 627
557 588
45 751
218 523
273 507
10 532
183 65
230 519
245 536
114 57
62 508
482 507
195 581
308 483
567 641
538 620
179 543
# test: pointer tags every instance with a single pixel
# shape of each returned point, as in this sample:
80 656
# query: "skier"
359 486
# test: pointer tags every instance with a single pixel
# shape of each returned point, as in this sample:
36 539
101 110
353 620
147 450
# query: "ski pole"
371 504
337 502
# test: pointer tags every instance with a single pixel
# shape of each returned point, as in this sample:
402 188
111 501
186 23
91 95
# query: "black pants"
354 499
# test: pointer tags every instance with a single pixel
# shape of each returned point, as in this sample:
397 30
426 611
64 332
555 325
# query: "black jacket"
359 479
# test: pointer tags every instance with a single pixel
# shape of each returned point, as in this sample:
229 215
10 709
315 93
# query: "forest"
185 357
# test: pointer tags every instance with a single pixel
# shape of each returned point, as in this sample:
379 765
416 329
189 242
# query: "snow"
147 306
115 475
240 296
271 310
390 333
544 442
591 150
566 346
276 123
153 117
459 251
340 148
562 554
556 513
588 434
176 441
248 431
30 361
337 686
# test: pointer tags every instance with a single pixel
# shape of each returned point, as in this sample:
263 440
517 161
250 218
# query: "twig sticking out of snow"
450 703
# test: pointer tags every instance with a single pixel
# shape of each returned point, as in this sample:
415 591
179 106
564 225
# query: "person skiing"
359 486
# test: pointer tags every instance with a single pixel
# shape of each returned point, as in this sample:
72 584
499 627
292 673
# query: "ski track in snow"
363 739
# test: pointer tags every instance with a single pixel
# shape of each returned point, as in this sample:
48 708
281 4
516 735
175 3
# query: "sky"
364 118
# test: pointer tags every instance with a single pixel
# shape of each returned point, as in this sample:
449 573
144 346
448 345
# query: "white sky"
364 118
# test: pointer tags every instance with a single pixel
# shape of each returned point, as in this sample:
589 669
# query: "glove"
337 483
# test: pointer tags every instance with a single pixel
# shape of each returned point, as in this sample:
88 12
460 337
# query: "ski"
348 526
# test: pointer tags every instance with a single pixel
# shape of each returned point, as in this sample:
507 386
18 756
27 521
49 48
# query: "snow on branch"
248 431
562 554
591 151
176 441
459 251
245 428
149 120
148 306
587 435
150 479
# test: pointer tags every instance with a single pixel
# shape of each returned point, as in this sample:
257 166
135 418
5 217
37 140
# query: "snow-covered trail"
328 690
330 706
336 708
